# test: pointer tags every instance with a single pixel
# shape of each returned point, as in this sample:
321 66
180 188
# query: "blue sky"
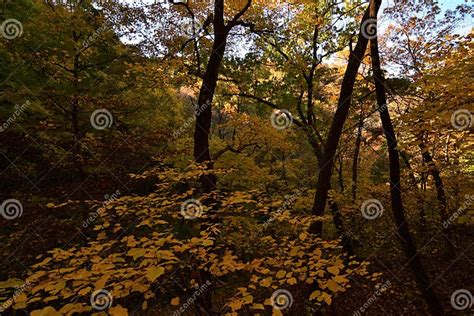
451 4
463 28
446 4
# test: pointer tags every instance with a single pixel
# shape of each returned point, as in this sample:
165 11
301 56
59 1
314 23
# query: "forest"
236 157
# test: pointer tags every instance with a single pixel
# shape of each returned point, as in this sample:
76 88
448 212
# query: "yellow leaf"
144 305
47 311
266 282
153 273
258 306
99 284
314 295
326 297
333 286
118 311
303 236
207 242
21 298
21 305
340 279
291 281
70 309
334 270
236 305
10 283
248 299
175 301
276 312
136 253
42 263
281 274
84 291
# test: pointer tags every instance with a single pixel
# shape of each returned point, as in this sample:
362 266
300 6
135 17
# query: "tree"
404 234
337 124
208 87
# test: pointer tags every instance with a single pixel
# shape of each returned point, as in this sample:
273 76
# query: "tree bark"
404 234
419 196
441 196
206 95
437 180
347 241
332 141
75 128
355 159
208 88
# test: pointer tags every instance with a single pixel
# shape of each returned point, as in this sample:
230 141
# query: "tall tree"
345 97
208 87
296 51
408 245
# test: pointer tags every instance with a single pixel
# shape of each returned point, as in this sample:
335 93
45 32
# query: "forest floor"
41 229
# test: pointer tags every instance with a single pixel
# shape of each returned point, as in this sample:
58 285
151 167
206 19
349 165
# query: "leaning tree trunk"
346 238
404 234
419 195
206 95
332 141
441 195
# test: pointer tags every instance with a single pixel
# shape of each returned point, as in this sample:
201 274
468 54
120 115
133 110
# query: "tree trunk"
347 242
404 234
355 159
76 145
419 195
75 129
332 141
206 95
340 171
440 194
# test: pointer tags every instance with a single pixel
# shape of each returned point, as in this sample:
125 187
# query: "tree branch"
236 18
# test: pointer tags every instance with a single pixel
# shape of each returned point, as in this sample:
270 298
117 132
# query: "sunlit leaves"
145 256
153 273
